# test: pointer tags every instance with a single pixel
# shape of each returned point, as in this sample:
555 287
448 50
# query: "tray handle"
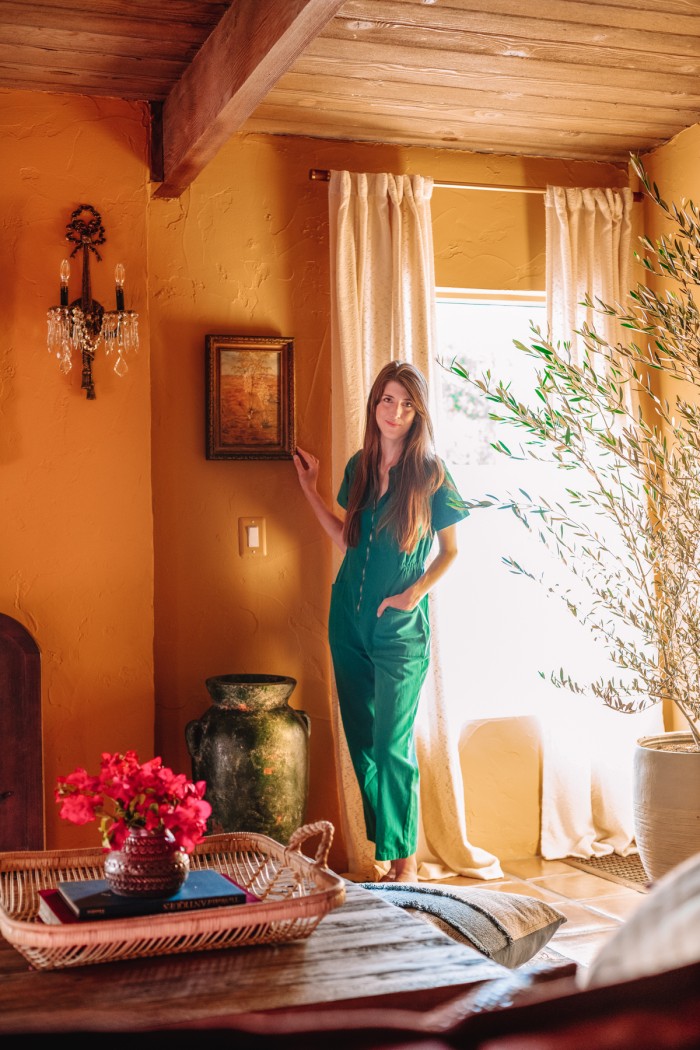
325 829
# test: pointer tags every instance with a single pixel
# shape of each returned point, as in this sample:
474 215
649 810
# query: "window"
498 630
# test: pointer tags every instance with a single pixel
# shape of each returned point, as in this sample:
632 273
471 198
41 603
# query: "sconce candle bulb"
119 275
82 324
65 275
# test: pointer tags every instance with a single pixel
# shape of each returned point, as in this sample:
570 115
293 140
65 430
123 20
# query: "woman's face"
395 412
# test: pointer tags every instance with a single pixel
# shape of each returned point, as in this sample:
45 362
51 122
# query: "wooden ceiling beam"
253 45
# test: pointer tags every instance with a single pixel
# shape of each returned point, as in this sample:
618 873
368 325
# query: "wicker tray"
295 893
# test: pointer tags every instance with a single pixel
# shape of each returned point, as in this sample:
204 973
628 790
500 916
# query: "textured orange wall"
76 547
496 239
245 251
674 168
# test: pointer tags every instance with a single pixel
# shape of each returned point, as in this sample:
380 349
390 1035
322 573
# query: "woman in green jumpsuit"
397 496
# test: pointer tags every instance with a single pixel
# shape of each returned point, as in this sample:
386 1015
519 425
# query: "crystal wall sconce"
81 325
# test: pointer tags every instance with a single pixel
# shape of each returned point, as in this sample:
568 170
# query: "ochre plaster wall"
76 553
245 251
496 239
674 168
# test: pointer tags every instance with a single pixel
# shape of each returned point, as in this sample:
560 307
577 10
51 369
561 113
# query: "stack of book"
92 899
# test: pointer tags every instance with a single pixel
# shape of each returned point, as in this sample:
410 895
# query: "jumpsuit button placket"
364 568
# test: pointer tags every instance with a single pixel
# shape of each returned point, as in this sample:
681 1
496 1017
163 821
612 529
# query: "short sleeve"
344 490
448 506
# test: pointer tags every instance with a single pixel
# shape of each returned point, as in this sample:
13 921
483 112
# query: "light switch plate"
246 528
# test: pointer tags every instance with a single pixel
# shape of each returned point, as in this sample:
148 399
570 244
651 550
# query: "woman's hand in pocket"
405 602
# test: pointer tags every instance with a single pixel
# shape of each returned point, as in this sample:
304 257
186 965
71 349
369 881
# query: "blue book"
92 898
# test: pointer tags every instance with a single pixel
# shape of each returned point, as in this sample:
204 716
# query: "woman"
397 496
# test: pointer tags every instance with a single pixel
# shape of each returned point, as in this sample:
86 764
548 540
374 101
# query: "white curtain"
588 748
382 304
588 251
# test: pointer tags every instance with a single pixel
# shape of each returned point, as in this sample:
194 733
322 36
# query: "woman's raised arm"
307 471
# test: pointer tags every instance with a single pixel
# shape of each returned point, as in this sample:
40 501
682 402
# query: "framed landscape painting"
250 397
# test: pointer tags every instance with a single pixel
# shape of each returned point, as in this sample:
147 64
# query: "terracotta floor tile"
534 867
527 889
577 886
581 918
620 906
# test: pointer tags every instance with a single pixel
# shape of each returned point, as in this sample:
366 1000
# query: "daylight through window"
497 630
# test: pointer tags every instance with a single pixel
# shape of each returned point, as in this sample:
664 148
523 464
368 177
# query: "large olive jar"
252 749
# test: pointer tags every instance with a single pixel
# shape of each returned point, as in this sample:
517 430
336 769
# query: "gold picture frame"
249 397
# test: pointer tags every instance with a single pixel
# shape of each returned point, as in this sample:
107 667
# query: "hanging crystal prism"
120 327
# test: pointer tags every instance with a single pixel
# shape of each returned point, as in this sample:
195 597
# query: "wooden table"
366 951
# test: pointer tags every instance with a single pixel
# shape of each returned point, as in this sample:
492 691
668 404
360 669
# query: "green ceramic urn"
252 749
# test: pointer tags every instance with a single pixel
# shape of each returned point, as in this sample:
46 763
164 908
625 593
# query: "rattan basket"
295 893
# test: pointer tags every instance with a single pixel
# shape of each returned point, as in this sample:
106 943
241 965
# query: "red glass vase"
149 864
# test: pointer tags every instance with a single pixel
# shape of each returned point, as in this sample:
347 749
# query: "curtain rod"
323 175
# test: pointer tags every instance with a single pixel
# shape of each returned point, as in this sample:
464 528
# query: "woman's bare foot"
405 869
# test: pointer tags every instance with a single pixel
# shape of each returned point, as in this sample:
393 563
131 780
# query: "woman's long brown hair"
418 474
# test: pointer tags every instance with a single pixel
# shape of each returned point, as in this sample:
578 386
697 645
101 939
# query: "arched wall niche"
21 756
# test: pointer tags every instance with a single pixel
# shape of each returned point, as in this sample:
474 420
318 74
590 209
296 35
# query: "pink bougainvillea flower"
187 822
128 794
116 834
79 809
80 780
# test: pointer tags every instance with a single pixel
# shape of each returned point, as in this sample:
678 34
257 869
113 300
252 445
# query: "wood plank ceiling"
585 79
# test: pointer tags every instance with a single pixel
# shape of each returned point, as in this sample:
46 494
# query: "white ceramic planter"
666 802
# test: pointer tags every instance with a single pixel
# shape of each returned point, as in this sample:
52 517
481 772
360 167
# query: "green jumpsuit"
380 664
